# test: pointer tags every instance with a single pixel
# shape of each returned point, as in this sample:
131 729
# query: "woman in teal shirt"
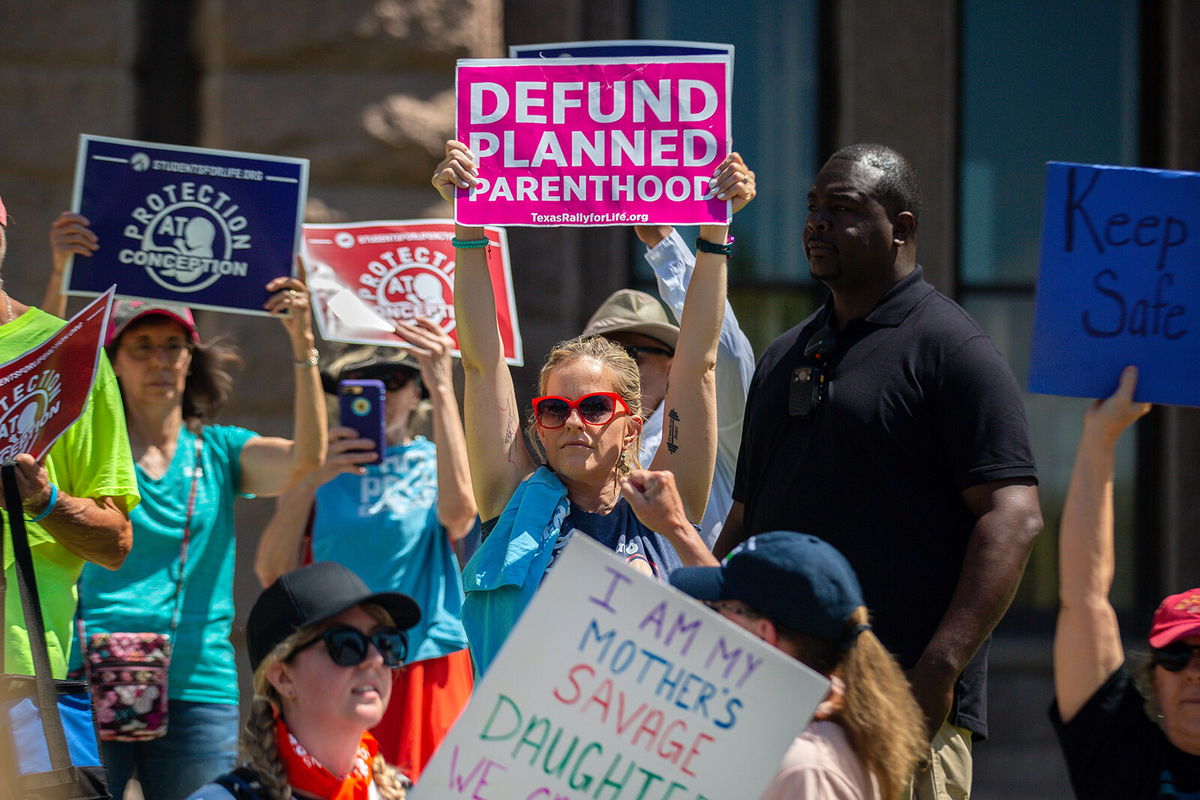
173 386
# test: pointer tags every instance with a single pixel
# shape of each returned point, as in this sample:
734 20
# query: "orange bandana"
307 775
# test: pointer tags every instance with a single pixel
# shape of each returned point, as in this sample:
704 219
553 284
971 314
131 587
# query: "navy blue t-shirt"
622 532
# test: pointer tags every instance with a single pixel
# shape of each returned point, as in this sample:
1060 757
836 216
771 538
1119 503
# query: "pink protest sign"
593 141
367 276
43 391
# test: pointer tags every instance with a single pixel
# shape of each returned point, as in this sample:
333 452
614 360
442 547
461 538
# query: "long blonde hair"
259 747
881 718
627 382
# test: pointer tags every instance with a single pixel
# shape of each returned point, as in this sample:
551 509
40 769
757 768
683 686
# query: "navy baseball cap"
313 594
797 579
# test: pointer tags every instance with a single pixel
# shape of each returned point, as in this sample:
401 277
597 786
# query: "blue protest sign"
1119 283
204 228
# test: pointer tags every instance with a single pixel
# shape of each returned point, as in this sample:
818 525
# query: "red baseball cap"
1177 617
126 312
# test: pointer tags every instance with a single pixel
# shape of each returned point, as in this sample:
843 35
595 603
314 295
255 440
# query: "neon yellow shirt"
92 459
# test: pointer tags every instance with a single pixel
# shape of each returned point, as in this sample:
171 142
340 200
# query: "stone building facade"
364 89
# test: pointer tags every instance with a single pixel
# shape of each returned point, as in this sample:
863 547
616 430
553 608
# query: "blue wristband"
49 506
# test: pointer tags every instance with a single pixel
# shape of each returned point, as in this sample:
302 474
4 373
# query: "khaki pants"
947 773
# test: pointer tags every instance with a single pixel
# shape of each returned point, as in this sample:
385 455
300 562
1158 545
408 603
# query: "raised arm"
673 264
495 446
70 234
456 499
281 545
270 463
1087 640
689 444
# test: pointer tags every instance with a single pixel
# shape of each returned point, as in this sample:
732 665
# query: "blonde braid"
260 748
391 783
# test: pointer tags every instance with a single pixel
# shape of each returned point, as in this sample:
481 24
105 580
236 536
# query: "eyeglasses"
393 380
810 380
636 351
348 647
144 351
596 408
1174 657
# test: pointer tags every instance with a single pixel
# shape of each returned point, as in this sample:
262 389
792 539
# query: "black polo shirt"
920 406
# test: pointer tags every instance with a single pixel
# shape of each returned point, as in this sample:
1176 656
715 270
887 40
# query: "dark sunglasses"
636 350
393 380
348 647
1174 657
597 408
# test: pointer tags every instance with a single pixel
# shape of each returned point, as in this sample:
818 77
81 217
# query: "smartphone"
360 406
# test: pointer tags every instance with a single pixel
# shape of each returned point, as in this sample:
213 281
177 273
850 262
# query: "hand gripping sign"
367 276
593 141
1118 283
43 391
635 691
203 228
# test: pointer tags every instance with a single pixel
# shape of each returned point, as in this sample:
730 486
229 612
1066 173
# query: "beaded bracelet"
49 506
468 244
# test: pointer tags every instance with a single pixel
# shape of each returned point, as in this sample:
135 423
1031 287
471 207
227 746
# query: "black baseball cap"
313 594
798 579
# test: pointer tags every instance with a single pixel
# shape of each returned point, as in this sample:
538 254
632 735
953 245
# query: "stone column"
66 69
907 102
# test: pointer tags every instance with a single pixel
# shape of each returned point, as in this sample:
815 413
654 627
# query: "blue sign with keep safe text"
204 228
1119 283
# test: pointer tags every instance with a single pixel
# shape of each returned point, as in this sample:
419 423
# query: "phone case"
361 407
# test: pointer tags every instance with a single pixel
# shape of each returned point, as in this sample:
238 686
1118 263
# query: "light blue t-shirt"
384 526
139 597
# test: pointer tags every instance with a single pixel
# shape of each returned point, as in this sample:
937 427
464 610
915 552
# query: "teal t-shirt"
139 596
384 526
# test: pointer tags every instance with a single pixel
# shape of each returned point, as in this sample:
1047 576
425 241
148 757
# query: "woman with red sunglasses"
585 425
1129 729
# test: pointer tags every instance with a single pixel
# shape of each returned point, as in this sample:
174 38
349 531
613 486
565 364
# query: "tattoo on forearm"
672 431
510 432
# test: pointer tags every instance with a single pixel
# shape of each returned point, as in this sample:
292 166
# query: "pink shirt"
821 765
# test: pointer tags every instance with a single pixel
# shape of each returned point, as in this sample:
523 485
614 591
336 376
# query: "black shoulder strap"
242 783
56 740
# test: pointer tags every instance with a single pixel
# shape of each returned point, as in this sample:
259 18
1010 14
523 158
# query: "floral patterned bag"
129 684
128 671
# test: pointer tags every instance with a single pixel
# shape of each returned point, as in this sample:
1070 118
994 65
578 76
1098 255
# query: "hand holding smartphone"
361 407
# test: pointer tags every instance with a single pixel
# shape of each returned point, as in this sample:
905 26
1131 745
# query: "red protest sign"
367 276
43 391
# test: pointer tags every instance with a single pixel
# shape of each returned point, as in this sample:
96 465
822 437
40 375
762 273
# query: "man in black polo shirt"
888 424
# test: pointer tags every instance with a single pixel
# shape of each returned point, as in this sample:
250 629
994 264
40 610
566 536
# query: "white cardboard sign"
614 685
